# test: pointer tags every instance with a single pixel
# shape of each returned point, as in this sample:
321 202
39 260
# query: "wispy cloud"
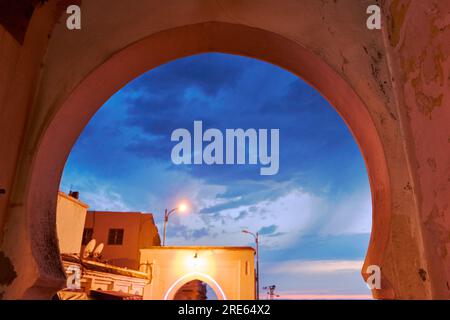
268 230
100 196
315 266
280 221
106 200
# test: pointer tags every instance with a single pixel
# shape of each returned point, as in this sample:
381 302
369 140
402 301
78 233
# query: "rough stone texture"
390 86
7 273
418 43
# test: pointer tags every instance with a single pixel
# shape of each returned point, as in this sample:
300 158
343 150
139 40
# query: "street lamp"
256 236
181 208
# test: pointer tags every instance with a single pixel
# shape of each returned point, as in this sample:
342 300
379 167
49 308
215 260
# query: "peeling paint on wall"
425 103
7 272
432 164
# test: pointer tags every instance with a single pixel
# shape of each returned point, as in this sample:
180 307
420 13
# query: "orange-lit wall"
139 232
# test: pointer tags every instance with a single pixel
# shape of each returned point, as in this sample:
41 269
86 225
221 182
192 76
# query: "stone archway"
360 90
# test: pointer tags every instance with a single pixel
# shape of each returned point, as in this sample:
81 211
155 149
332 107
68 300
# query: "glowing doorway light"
194 275
195 263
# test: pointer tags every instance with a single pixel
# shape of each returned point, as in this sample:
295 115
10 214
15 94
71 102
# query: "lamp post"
256 236
182 207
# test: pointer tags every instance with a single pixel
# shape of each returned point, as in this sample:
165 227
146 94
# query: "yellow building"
133 265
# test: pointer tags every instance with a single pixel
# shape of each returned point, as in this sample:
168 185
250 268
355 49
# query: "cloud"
186 233
248 193
224 92
105 200
278 220
316 266
242 215
203 232
283 221
188 87
209 73
316 279
352 214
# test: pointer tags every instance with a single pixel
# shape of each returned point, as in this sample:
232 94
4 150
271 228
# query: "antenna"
88 249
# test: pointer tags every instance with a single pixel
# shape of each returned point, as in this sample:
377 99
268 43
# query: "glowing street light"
181 208
256 236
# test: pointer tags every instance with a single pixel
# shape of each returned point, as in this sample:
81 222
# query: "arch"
174 287
65 125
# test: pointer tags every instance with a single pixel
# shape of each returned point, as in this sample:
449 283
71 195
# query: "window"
115 236
87 236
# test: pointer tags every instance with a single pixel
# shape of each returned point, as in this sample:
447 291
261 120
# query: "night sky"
314 216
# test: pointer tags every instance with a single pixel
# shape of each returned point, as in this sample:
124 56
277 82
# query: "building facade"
113 272
123 235
88 279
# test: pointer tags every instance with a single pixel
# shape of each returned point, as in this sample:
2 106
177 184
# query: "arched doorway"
175 289
65 125
192 290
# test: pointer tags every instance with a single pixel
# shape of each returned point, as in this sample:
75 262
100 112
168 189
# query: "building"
88 279
91 276
123 235
180 272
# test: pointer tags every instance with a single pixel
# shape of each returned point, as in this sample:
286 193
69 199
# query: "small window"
87 236
115 236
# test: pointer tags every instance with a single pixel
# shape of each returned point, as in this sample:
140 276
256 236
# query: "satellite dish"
98 251
89 248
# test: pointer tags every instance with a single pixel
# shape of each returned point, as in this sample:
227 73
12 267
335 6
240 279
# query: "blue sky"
314 216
